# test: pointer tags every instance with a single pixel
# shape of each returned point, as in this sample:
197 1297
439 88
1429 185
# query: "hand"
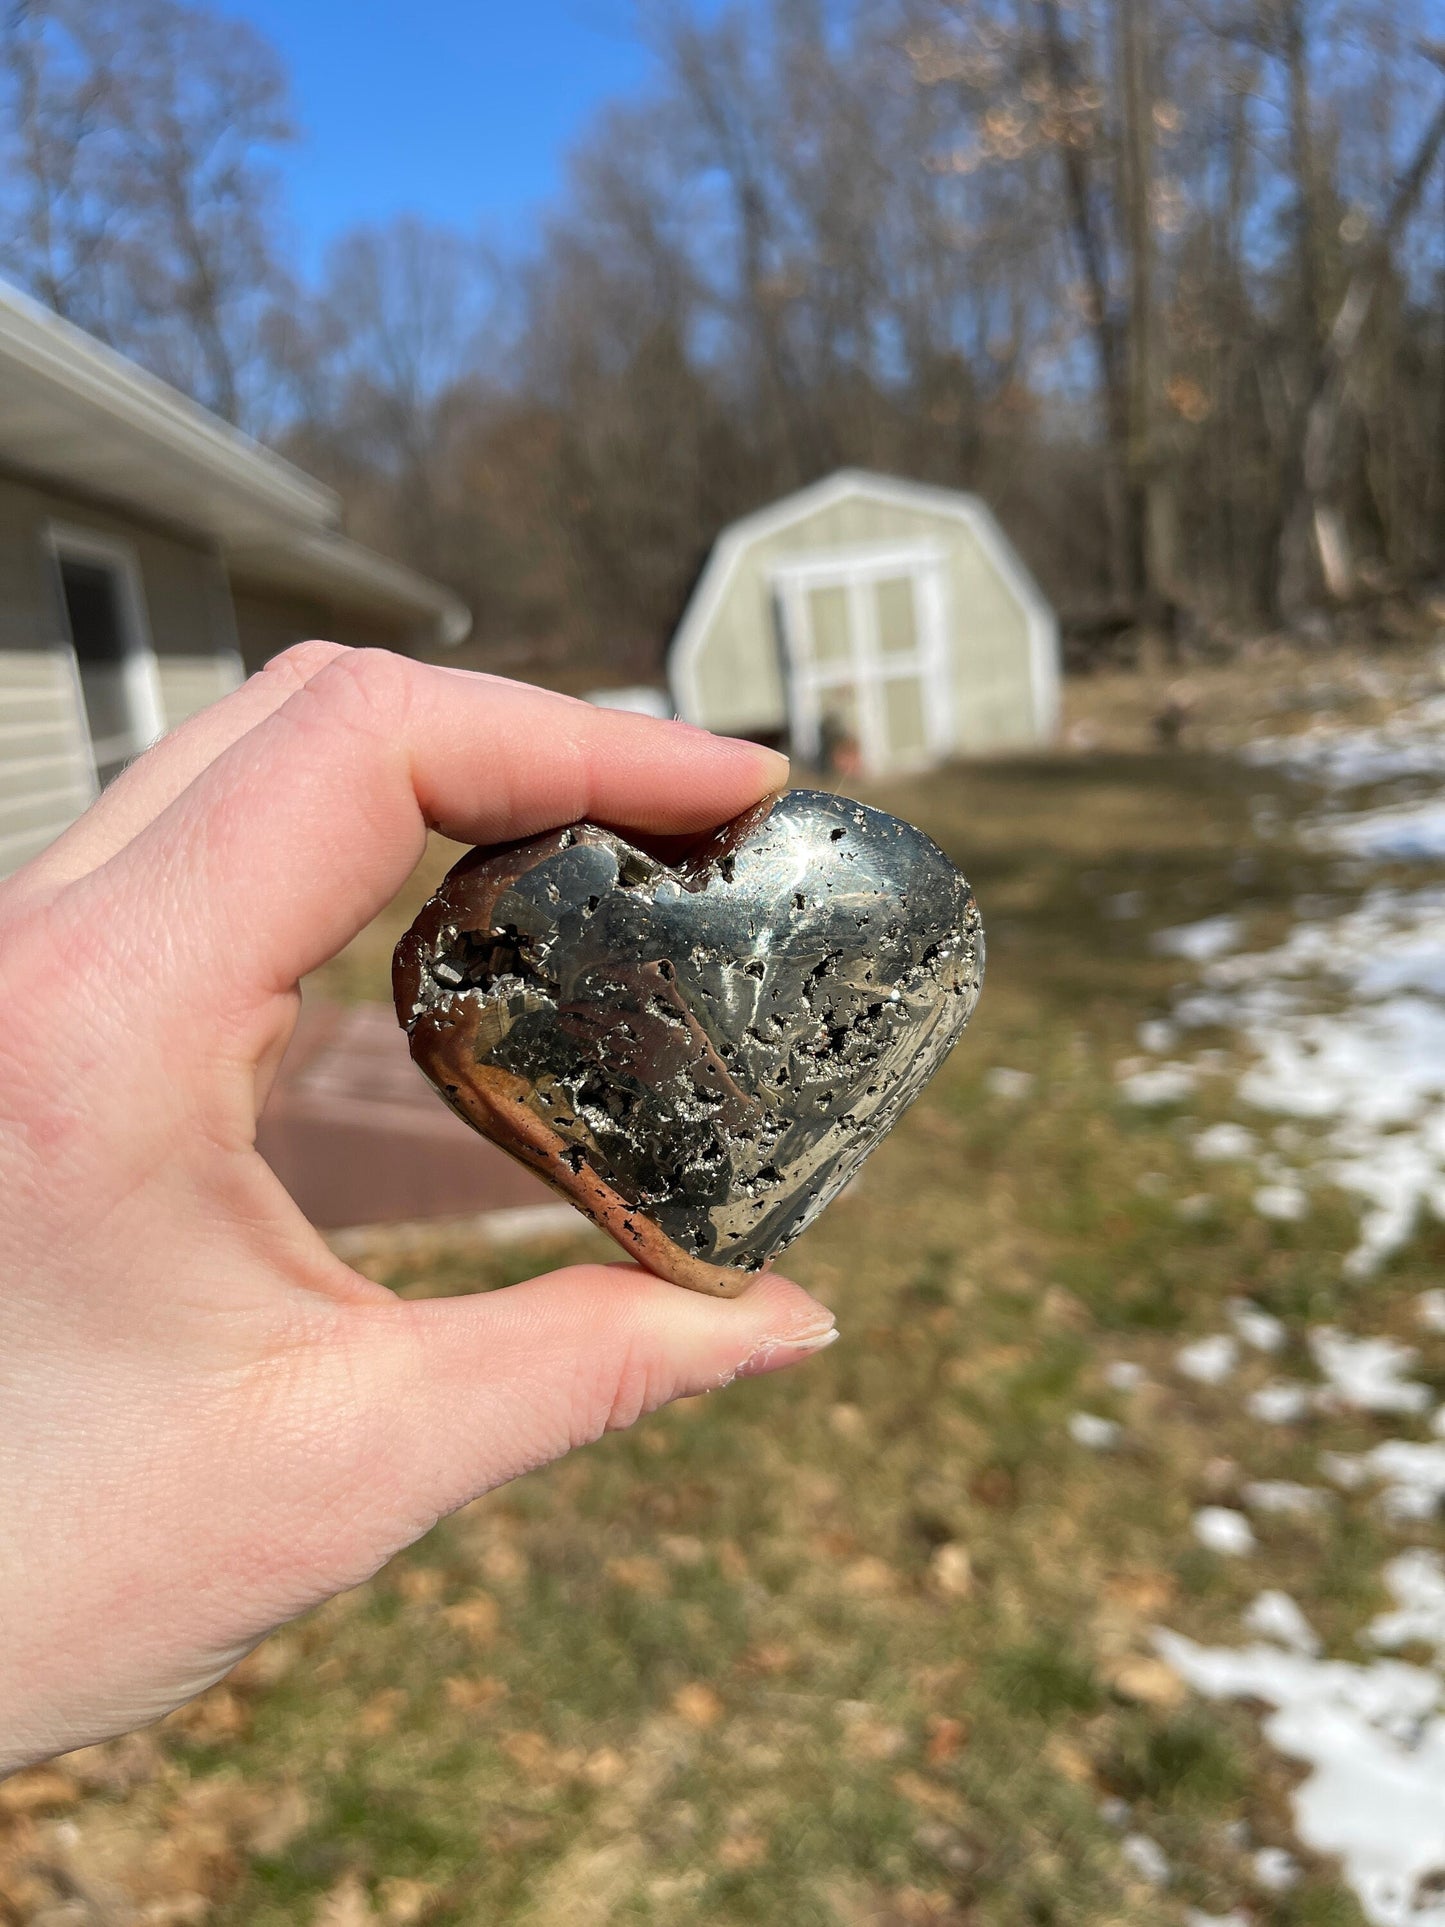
208 1423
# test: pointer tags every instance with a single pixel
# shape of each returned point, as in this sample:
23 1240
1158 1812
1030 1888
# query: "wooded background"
1164 280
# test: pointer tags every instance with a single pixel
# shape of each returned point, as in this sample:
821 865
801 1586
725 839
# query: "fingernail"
774 764
777 1354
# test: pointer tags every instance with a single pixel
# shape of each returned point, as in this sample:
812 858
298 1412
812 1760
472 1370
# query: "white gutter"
270 521
64 356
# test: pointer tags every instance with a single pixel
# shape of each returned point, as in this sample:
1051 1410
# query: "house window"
105 617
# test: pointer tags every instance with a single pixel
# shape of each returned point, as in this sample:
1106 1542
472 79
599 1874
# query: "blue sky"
463 110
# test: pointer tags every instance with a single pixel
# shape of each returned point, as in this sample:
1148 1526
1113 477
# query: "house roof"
75 413
844 484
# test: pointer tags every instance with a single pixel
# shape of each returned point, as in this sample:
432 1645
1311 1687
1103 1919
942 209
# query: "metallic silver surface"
723 1041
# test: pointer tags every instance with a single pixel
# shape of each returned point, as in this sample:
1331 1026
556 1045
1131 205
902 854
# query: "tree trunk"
1314 550
1149 509
1091 248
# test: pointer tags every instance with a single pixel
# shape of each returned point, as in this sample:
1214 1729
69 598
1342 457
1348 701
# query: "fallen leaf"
732 1561
604 1768
404 1902
471 1694
1069 1760
116 1766
769 1659
946 1739
420 1585
1145 1593
683 1549
346 1905
478 1618
530 1752
40 1789
740 1850
1063 1310
263 1667
283 1820
640 1574
212 1719
931 1797
950 1572
994 1487
697 1704
379 1715
504 1565
924 1907
1147 1681
870 1739
869 1578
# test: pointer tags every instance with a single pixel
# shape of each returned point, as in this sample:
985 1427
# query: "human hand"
208 1423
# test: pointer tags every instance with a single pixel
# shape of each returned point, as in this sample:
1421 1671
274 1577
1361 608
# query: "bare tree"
139 198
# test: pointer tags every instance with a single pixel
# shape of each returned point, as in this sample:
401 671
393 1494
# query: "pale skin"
208 1423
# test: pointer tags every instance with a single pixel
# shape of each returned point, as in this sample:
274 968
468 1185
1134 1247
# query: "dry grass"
868 1644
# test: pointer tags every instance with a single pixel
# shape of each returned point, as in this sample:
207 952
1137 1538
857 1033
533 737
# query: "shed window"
866 642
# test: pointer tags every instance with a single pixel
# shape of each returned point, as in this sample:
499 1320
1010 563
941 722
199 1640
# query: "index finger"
299 833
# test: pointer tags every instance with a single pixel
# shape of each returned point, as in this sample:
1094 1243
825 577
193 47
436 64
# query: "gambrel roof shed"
866 610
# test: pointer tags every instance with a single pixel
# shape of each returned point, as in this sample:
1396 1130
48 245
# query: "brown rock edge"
494 1102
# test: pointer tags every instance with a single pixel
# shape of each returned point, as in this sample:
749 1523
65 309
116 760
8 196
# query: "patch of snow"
1012 1085
1123 1375
1284 1203
1095 1433
1282 1402
1169 1084
1283 1499
1275 1616
1194 1918
1256 1328
1224 1144
1221 1530
1276 1871
1412 1477
1124 907
1372 1736
1345 1021
1157 1035
1411 743
1430 1310
1201 942
1209 1361
1146 1857
1414 833
1366 1374
1417 1579
1347 1470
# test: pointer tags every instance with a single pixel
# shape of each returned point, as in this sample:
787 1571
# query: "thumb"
499 1384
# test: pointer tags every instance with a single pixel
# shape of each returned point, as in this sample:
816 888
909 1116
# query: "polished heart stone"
699 1053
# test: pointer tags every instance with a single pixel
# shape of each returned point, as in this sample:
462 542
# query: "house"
871 624
150 556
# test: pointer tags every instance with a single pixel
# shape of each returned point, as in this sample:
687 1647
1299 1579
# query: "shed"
883 617
151 555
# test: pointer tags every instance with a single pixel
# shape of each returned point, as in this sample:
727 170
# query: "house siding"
46 774
188 683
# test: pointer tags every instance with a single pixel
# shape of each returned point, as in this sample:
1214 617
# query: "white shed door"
866 646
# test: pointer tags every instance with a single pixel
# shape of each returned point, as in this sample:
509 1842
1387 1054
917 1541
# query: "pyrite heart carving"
698 1054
